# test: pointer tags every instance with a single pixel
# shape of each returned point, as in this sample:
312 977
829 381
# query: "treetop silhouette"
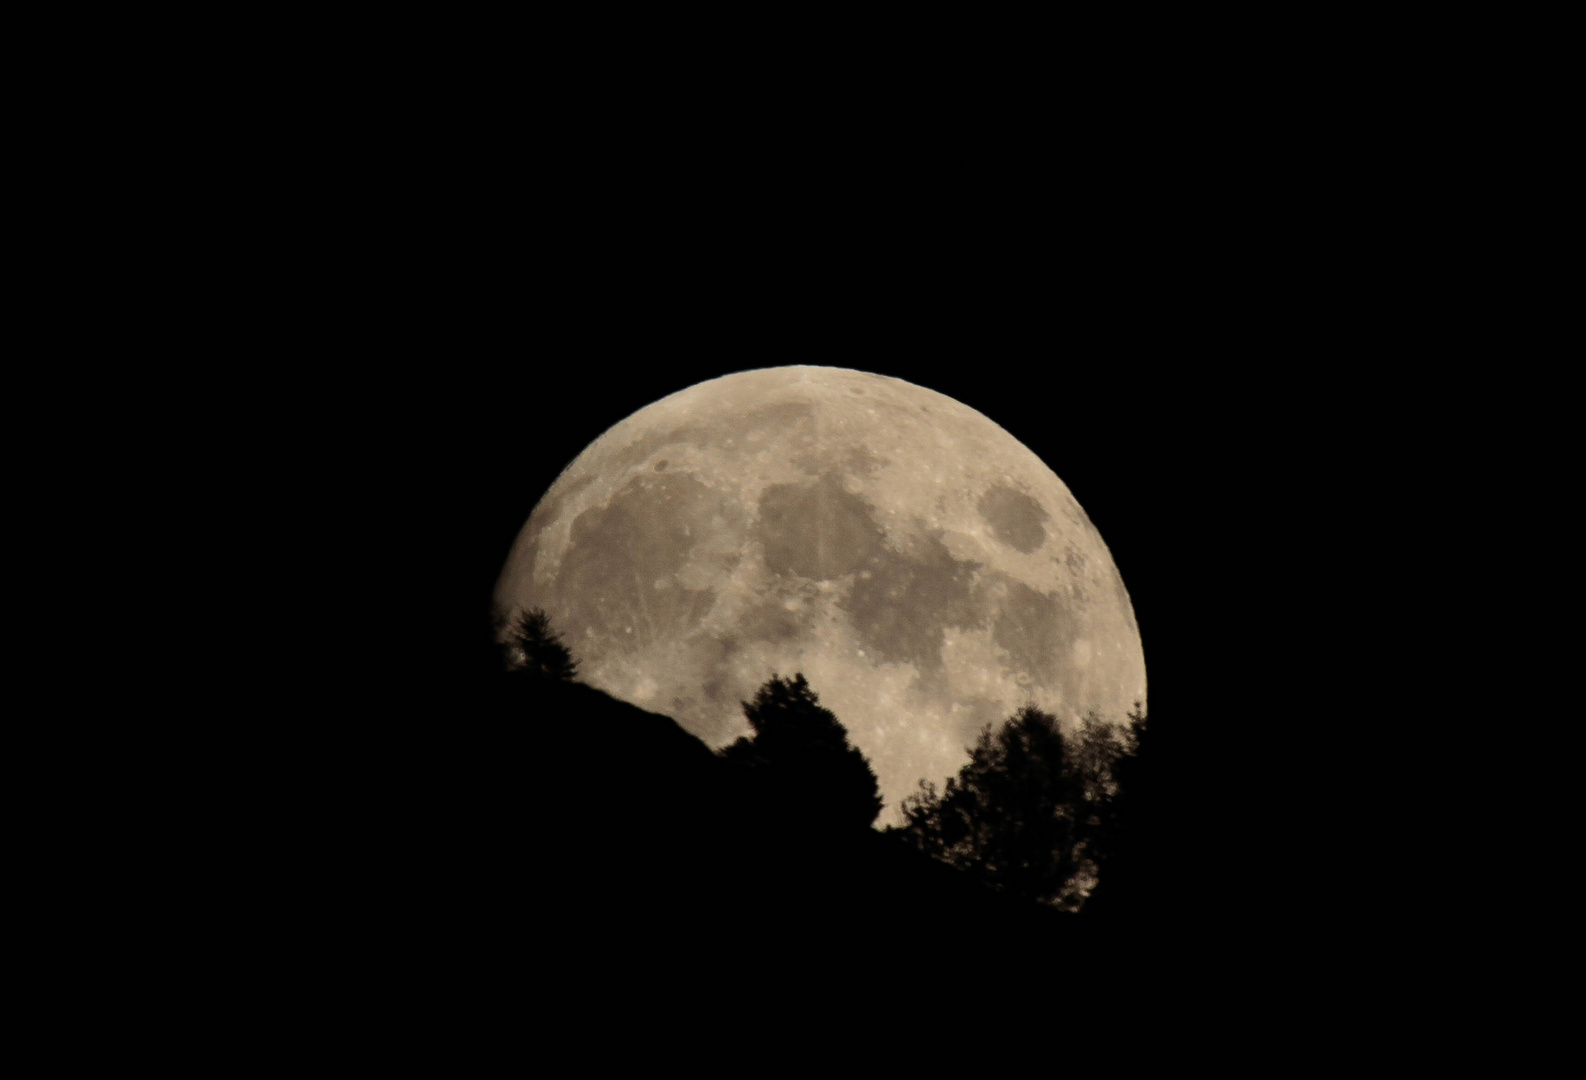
803 748
1030 813
535 651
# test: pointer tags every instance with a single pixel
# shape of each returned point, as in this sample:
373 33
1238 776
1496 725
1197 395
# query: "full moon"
925 571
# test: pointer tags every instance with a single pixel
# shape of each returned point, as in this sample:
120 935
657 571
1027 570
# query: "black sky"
1181 382
1165 443
1195 325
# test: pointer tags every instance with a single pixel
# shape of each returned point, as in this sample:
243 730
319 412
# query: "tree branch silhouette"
535 651
1030 814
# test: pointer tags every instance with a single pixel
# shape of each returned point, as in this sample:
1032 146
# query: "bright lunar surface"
925 571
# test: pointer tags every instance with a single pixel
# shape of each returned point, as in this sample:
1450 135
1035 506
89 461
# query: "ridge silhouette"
525 825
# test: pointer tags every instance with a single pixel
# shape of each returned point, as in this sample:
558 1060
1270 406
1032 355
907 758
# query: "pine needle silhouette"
535 651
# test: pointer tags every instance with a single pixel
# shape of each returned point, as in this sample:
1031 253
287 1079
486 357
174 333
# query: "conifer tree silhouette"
802 748
535 651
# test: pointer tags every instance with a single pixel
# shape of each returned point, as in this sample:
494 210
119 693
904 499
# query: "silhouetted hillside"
560 827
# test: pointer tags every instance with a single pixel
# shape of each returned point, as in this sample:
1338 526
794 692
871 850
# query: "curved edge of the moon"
593 479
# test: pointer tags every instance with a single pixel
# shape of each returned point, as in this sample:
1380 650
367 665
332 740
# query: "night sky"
1208 346
1182 411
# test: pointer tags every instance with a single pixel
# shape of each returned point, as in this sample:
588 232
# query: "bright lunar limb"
925 571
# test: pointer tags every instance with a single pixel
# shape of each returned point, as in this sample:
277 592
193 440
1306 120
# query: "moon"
925 570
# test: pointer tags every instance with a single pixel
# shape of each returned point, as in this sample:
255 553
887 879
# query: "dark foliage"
535 651
639 854
801 749
1030 814
1099 754
1128 846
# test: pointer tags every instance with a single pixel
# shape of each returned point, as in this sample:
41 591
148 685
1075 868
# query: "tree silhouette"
1028 812
1098 751
802 749
536 651
1122 846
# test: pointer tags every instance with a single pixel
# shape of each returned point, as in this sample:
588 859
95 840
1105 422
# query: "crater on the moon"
1015 518
1074 560
640 450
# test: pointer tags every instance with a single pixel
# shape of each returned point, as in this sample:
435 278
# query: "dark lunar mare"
617 553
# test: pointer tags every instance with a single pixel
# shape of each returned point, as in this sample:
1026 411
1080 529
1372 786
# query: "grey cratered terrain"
922 568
